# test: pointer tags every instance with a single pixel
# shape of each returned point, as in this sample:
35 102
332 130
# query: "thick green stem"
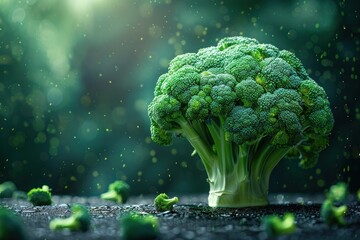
235 193
270 164
238 175
242 163
223 147
206 155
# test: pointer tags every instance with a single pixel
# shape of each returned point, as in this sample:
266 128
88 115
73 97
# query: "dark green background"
76 77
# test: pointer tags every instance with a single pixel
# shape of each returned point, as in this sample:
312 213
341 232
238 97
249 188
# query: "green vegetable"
276 226
78 221
118 192
331 214
338 192
7 189
11 226
243 106
134 226
40 196
358 194
163 203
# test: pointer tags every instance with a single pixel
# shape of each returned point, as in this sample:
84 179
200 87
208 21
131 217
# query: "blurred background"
76 77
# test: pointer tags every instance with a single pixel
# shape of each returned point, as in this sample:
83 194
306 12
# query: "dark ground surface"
190 219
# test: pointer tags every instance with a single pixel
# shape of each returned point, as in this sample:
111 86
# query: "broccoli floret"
40 196
331 214
243 106
275 226
78 221
7 189
118 192
134 226
358 194
338 192
11 226
163 203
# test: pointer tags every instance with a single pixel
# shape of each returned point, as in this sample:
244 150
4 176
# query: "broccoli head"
40 196
134 226
7 189
78 221
276 226
11 226
118 192
163 203
243 106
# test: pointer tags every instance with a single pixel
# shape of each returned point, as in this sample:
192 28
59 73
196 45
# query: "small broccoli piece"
163 203
338 192
243 106
118 192
7 189
40 196
358 194
276 226
331 214
11 226
134 226
78 221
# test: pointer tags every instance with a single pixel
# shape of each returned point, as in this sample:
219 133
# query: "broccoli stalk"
78 221
243 106
238 175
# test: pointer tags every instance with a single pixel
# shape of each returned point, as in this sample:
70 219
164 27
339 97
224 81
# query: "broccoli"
134 226
163 203
118 192
331 214
11 226
243 106
78 221
358 194
7 189
276 226
338 192
40 196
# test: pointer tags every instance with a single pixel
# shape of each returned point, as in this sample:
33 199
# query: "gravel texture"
190 219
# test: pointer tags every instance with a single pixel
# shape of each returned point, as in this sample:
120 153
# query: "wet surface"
190 219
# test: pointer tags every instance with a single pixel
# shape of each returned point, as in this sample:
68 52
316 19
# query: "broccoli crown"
118 191
242 98
7 189
40 196
134 226
275 226
163 203
11 226
78 221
